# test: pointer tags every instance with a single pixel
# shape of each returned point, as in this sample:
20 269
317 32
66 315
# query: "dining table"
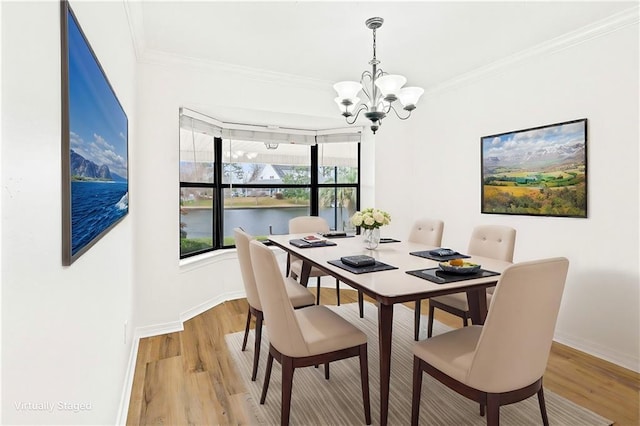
391 286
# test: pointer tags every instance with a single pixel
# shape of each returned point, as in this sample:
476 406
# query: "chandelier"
381 89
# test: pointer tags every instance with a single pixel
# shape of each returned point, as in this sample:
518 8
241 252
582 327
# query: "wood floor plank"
198 349
165 346
165 394
137 388
190 378
202 403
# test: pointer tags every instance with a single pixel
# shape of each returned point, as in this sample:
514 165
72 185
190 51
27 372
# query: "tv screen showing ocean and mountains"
98 146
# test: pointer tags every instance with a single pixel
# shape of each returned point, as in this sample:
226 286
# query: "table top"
391 286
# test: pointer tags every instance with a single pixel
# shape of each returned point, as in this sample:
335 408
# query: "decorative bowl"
466 268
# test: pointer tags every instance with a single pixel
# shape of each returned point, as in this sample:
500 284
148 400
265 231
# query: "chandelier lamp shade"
383 91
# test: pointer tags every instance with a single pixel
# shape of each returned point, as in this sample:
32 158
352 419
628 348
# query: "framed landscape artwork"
540 171
95 190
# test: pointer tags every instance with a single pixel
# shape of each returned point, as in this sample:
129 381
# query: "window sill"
206 259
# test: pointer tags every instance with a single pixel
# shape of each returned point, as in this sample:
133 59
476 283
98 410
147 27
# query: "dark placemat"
388 240
300 243
439 276
379 266
337 236
430 256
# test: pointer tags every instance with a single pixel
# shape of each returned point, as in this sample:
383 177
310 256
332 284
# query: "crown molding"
596 29
156 57
133 10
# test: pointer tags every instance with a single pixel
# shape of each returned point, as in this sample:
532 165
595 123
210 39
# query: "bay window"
258 178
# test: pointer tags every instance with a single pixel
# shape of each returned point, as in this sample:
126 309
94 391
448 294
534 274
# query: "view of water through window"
255 221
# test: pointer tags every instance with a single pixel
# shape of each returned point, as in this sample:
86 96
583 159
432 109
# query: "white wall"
62 327
168 293
596 79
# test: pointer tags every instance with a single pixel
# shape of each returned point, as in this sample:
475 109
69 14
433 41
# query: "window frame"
218 188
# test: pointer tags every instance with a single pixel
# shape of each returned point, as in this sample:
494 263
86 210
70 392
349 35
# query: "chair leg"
430 320
417 391
493 409
287 384
318 292
267 377
364 379
543 407
258 339
361 303
246 330
416 320
338 290
465 319
326 370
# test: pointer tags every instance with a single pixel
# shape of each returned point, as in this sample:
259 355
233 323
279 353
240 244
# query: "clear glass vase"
371 238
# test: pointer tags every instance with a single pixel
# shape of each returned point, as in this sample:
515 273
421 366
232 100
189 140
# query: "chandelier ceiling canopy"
382 90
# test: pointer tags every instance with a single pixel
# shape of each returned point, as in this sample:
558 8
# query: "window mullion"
314 196
218 208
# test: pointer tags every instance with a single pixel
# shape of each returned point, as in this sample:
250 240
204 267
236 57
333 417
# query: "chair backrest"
301 224
494 241
282 326
515 341
244 257
427 231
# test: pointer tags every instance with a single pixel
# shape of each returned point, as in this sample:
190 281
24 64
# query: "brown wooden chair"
311 224
302 338
493 241
299 296
503 361
428 232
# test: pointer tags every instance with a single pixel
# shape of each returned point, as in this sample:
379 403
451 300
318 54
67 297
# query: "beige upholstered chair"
312 224
310 336
493 241
298 295
429 232
503 361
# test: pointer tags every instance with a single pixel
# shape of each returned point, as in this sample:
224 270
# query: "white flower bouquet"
371 218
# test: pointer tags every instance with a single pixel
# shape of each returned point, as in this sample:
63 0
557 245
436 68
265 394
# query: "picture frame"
94 148
540 171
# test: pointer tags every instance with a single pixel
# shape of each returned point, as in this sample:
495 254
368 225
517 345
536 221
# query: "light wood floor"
189 378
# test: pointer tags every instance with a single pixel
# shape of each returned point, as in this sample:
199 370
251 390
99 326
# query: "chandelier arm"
391 107
355 117
366 75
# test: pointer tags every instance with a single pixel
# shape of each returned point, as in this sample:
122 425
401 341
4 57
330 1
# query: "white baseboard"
123 409
599 351
208 304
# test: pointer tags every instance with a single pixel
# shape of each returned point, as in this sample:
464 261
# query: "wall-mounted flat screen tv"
95 170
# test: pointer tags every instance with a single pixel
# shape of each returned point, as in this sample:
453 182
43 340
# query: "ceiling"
429 42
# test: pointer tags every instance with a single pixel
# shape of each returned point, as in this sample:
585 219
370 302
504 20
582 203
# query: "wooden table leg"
385 329
477 300
304 273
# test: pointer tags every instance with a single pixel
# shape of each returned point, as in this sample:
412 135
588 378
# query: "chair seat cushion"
325 331
458 300
451 352
296 268
298 294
